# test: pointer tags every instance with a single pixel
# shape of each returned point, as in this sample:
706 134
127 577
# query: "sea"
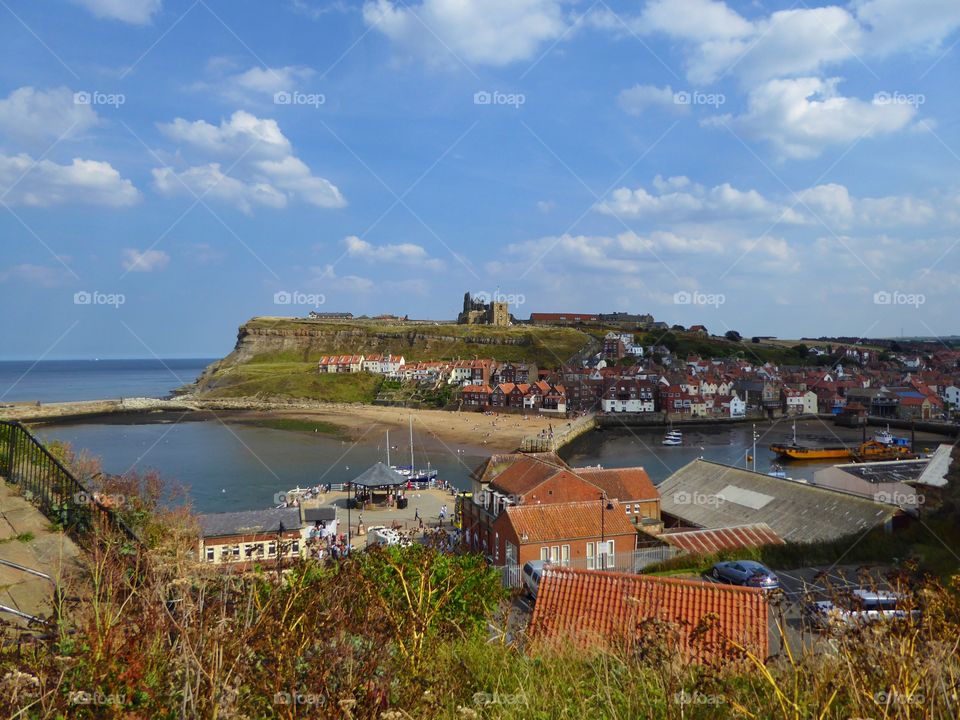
224 466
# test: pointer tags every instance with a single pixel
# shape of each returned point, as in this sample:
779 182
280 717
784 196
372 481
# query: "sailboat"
673 437
416 476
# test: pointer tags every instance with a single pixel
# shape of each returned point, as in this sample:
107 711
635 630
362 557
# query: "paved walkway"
27 540
425 503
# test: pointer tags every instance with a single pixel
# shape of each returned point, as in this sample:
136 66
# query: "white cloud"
483 32
326 277
408 253
264 170
135 12
34 117
144 261
802 116
694 19
255 83
678 201
640 98
896 24
44 182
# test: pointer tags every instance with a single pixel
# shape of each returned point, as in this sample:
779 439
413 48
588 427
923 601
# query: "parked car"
532 571
857 607
746 572
382 535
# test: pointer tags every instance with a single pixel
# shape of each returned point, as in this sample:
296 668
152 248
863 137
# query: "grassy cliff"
278 356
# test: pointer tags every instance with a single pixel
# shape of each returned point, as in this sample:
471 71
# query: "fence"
43 479
634 561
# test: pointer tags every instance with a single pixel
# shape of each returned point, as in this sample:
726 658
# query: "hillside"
278 356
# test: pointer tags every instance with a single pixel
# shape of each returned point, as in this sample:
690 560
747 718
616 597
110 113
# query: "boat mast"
411 445
388 448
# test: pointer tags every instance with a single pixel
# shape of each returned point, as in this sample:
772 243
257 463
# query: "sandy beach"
466 429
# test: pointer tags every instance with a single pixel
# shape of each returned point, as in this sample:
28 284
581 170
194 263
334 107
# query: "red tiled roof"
477 389
569 521
621 483
711 541
602 607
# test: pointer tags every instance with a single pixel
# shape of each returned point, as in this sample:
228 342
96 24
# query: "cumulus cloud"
225 78
144 260
800 117
678 200
408 253
483 32
641 98
33 117
265 172
43 183
134 12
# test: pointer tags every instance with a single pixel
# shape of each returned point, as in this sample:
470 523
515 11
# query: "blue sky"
168 166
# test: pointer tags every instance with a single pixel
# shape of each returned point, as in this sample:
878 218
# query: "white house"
391 364
732 405
951 394
373 364
809 403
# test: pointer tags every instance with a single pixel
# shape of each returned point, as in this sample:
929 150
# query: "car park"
745 572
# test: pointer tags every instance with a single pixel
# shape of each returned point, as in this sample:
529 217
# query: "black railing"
44 480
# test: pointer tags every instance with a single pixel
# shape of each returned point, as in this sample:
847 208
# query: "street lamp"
348 516
605 504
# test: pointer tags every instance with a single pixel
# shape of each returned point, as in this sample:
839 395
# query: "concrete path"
27 540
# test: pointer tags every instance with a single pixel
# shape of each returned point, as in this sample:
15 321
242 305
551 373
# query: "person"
416 514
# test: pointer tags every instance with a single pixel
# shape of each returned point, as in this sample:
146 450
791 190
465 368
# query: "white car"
383 535
858 607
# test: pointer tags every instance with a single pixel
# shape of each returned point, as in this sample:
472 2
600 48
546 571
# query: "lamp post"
603 541
348 516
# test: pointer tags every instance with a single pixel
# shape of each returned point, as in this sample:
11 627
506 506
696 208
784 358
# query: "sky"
172 168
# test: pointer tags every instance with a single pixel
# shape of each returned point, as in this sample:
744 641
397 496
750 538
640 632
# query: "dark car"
746 572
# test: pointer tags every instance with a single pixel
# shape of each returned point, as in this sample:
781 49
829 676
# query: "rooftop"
601 607
568 521
706 494
249 522
728 538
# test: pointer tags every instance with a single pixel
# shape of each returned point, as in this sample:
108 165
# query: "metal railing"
44 481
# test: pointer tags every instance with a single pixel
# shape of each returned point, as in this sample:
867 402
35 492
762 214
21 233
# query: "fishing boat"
885 437
868 450
673 437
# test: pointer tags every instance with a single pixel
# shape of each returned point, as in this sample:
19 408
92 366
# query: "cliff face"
262 341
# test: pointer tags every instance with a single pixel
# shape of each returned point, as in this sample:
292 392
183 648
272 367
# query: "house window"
545 554
606 555
295 547
591 560
636 508
272 548
565 555
210 554
236 552
555 554
628 509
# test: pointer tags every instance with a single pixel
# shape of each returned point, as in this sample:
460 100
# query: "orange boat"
869 450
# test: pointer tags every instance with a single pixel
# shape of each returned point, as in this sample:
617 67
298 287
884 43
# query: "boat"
673 437
885 437
873 450
777 471
418 477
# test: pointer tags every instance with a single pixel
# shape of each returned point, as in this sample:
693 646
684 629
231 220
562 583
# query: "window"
295 547
565 555
545 554
210 554
628 509
606 555
555 554
236 552
591 560
272 548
